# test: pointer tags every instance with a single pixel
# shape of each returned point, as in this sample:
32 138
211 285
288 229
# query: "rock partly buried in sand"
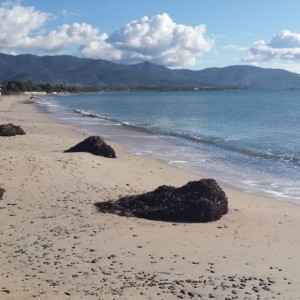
1 193
197 201
10 130
94 145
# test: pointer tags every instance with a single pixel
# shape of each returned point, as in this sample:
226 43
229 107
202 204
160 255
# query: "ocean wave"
227 145
94 115
223 143
114 120
269 155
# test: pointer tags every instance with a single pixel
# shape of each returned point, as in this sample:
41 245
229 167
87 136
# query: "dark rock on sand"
1 193
10 130
197 201
94 145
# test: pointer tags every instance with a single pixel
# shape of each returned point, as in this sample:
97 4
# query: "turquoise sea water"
247 139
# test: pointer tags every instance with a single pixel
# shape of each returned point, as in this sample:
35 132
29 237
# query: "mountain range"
86 72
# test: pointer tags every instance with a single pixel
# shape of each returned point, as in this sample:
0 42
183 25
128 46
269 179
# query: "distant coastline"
94 75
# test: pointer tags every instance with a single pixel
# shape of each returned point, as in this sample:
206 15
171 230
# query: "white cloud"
159 39
64 37
284 46
235 47
285 39
67 13
16 24
21 29
100 48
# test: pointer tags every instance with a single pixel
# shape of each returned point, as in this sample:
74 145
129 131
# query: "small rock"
10 130
1 193
94 145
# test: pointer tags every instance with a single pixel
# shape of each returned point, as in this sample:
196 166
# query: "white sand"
55 245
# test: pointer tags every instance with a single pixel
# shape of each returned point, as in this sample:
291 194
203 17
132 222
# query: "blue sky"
191 34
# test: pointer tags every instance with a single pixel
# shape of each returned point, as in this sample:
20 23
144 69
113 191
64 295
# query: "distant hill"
70 70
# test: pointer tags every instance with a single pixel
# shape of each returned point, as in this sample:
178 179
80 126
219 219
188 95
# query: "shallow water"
247 139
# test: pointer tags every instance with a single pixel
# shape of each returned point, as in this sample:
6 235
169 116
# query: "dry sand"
54 245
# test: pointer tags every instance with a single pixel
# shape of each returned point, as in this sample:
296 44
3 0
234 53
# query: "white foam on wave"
177 162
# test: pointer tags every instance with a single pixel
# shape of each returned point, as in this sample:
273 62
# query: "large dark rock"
1 193
10 130
94 145
197 201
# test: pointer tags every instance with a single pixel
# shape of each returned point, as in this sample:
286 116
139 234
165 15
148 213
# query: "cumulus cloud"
158 40
63 38
22 27
17 22
284 46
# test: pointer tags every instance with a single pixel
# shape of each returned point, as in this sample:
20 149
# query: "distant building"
33 93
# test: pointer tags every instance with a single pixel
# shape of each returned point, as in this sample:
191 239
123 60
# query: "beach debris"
197 201
94 145
10 130
1 193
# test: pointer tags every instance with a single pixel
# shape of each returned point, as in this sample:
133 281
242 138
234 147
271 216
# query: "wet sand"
55 245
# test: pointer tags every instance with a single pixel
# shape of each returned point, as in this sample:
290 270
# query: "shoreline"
56 246
254 176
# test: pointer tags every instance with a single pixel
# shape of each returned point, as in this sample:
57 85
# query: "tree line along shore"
18 87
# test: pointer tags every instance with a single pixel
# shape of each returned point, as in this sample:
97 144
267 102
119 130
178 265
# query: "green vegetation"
16 87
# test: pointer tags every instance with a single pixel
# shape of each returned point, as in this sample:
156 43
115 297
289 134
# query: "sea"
249 140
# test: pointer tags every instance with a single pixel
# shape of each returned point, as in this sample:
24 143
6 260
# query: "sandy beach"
55 245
